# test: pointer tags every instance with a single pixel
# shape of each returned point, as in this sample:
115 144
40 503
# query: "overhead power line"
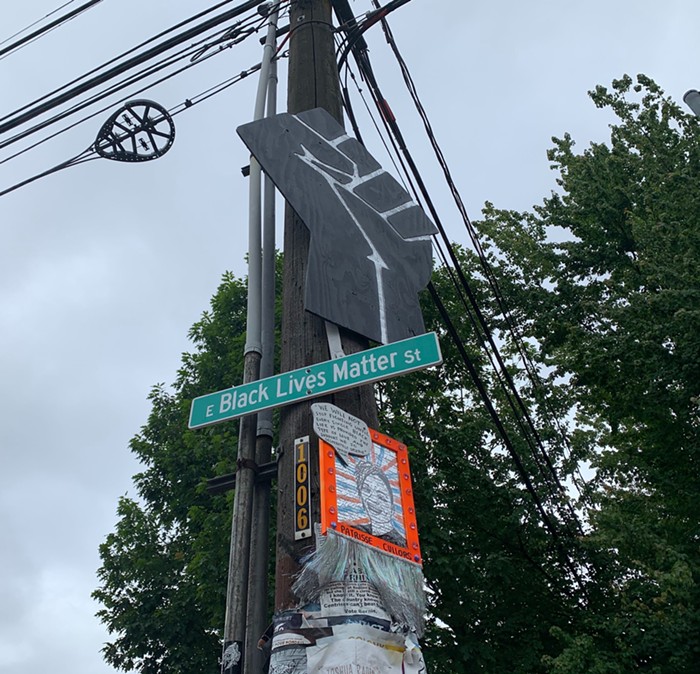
520 408
115 88
42 31
518 405
91 153
119 57
568 523
196 53
17 119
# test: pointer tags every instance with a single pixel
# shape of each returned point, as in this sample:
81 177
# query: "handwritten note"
346 433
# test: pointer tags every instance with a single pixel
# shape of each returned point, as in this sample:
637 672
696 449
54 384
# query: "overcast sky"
105 266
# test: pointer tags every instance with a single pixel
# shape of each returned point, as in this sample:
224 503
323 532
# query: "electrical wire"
508 385
395 139
505 436
245 29
28 112
528 426
121 56
34 23
504 309
240 31
132 79
90 153
78 159
33 37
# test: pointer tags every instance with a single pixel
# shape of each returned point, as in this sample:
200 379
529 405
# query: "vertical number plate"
302 487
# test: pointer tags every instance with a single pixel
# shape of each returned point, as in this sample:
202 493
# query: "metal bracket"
335 346
224 483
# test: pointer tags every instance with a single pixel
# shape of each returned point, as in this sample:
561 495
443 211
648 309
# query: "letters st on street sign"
364 367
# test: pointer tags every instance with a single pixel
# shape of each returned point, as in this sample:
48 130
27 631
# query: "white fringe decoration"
399 583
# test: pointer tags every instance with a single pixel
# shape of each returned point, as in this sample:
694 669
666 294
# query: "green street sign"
382 362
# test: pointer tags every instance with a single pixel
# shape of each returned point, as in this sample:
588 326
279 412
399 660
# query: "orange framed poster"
369 498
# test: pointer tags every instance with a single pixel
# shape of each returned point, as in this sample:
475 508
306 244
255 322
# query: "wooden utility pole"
313 82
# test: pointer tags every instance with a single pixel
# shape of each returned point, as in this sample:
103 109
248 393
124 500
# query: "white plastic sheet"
357 649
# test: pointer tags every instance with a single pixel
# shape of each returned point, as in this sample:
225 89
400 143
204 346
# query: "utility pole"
313 82
316 350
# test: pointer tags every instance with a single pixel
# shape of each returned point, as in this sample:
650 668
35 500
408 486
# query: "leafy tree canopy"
605 279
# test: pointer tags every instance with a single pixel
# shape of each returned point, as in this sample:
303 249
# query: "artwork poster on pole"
366 490
369 499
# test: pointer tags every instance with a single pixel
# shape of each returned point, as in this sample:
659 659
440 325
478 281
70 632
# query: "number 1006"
302 516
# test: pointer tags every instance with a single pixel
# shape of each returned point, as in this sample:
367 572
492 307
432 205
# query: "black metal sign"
370 251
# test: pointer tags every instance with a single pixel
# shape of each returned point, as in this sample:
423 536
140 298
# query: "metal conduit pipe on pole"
237 586
257 616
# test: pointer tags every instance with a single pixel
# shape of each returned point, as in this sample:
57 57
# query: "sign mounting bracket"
335 346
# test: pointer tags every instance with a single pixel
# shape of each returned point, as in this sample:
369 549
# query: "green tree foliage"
601 281
163 573
487 558
605 278
496 578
